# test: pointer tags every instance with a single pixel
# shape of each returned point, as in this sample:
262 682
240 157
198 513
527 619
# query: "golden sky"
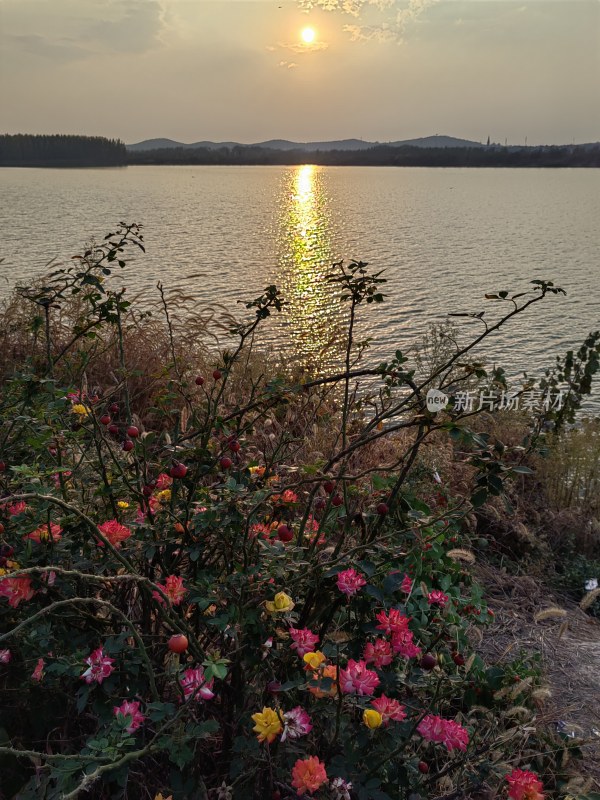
239 70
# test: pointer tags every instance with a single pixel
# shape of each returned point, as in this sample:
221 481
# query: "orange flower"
308 775
46 533
114 532
174 589
331 672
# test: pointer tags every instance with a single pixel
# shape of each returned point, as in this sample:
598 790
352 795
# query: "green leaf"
479 497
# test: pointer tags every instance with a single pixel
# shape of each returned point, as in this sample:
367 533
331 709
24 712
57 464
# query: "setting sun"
308 35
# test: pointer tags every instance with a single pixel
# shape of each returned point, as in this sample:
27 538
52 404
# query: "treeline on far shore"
24 150
58 150
379 156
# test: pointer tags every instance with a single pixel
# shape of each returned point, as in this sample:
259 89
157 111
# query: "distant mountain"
342 144
285 144
436 141
154 144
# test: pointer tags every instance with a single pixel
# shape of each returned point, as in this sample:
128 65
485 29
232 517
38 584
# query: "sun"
308 35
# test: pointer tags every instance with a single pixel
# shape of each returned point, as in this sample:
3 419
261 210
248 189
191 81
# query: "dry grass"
569 644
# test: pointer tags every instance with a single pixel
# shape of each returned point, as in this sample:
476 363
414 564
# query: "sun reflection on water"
305 244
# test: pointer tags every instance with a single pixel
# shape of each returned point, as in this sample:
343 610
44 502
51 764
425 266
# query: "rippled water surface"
444 237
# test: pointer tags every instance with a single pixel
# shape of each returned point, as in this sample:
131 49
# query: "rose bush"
198 605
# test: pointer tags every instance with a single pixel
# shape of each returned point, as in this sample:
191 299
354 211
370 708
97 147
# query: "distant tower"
488 142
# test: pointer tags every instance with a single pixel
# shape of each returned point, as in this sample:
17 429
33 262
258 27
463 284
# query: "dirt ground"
570 652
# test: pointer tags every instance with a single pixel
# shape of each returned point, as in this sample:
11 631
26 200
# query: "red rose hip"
178 470
133 432
178 643
199 380
428 661
285 533
226 462
217 375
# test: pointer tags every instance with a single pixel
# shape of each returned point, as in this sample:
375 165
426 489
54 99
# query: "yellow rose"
314 660
80 410
268 724
164 496
280 604
372 718
123 504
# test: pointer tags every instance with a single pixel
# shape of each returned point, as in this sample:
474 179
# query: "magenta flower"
390 709
378 652
455 736
524 785
194 686
406 585
305 641
16 589
163 481
174 589
38 672
431 728
99 667
349 582
403 645
437 598
15 508
393 622
357 679
130 708
296 723
446 731
5 656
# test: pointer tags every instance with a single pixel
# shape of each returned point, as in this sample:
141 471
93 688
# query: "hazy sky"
238 69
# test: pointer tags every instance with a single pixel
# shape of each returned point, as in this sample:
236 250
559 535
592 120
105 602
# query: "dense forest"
382 156
26 150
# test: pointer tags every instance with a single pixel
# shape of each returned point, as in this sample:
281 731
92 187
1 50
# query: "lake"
444 237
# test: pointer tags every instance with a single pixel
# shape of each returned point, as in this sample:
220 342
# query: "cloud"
352 7
412 13
301 48
73 32
364 33
397 16
58 50
288 64
130 26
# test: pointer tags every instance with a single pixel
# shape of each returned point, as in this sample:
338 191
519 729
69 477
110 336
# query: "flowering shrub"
194 603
